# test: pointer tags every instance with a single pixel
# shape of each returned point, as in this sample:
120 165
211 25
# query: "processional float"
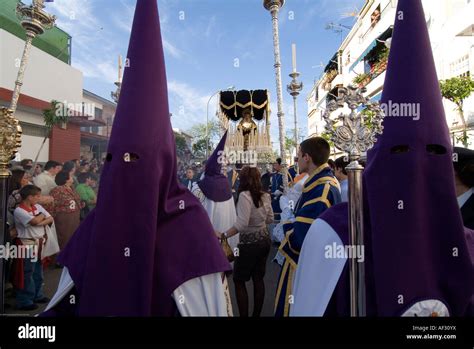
246 116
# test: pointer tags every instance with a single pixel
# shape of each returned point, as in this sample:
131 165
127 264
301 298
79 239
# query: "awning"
382 37
377 97
332 65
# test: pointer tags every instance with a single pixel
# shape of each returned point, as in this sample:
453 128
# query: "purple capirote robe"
215 186
148 234
415 244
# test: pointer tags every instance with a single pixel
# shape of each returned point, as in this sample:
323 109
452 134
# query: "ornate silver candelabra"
355 133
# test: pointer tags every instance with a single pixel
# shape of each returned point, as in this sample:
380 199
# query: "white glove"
277 193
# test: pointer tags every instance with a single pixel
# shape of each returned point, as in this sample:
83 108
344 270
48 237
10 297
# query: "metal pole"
296 124
21 71
294 88
34 20
356 238
274 7
349 126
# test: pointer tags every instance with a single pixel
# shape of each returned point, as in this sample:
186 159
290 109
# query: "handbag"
51 245
227 249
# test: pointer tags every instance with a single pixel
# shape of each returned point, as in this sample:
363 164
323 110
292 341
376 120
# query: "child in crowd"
30 221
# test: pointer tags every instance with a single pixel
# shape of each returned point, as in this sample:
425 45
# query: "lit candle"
293 49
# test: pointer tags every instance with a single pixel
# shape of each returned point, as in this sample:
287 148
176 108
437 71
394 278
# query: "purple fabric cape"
148 234
215 186
414 236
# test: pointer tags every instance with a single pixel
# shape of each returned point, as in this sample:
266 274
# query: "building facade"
95 135
50 77
362 57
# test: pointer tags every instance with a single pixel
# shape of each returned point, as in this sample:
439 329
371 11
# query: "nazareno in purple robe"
215 186
148 234
415 244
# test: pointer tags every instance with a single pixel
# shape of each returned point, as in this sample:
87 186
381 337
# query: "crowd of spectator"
46 204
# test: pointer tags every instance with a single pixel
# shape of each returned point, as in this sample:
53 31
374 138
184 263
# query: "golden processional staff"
34 20
352 134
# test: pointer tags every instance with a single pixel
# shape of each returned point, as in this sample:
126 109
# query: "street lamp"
230 88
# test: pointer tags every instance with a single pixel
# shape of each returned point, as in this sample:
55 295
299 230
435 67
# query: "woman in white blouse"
254 212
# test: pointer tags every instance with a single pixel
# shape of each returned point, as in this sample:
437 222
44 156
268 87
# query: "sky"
209 45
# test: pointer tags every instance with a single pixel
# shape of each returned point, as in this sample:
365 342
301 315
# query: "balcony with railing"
375 59
376 63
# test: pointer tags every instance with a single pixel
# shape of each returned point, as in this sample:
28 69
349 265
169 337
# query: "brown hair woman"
254 212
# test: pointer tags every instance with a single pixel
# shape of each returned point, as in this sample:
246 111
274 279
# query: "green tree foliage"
181 145
199 148
198 132
57 114
456 90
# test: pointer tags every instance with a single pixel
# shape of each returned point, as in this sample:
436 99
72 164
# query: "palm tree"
56 115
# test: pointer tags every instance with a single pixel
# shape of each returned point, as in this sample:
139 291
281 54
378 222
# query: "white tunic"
203 296
317 274
462 199
221 214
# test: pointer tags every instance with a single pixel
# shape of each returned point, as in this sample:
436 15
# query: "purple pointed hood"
417 237
415 247
148 234
215 186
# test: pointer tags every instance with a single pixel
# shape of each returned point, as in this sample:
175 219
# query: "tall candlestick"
293 49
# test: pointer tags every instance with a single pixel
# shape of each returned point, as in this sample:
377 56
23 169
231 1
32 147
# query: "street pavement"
51 281
271 281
